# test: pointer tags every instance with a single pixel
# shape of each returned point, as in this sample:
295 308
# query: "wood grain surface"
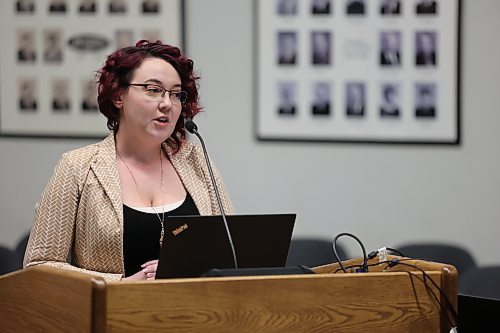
376 302
45 299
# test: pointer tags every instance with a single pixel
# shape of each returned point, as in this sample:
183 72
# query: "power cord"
426 277
449 306
364 264
370 265
373 254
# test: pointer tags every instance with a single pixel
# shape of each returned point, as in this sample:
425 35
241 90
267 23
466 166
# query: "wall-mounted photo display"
321 103
370 71
321 7
390 7
48 83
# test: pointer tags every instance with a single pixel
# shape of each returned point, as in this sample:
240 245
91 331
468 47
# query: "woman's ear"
118 102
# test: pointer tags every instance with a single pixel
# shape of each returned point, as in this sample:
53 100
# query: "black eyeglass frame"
182 97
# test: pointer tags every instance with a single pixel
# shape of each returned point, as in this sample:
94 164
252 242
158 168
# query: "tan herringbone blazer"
80 213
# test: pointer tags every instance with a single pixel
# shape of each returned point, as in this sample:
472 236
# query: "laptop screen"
196 244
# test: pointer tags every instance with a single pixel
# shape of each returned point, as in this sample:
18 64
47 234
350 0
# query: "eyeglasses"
157 92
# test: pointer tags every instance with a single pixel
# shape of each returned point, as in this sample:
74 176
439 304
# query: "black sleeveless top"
141 234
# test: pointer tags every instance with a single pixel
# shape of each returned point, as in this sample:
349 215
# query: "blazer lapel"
191 175
106 171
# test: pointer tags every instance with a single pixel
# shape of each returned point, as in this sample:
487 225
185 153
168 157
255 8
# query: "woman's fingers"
149 269
151 262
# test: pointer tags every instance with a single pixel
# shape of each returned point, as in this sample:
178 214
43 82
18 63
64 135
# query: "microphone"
193 129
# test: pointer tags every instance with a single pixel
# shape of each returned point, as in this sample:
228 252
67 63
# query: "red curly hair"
119 68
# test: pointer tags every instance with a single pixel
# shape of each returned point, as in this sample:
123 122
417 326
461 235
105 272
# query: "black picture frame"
44 90
356 57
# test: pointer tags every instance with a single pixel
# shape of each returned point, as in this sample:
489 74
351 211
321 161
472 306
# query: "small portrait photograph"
27 95
151 35
60 95
425 100
425 44
390 46
389 107
25 6
150 6
57 6
426 7
355 7
322 100
89 95
321 7
117 6
26 46
87 6
287 98
286 7
390 7
355 99
124 38
320 47
53 53
287 46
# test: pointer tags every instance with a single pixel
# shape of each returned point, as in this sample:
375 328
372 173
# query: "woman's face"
146 114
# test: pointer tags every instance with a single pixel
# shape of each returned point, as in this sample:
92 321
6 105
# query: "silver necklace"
162 218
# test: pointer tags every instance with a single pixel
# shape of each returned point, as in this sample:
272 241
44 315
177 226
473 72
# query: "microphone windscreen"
191 126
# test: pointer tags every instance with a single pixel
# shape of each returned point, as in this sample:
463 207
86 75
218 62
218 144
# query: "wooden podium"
45 299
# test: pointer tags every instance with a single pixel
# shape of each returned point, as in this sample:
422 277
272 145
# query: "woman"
104 210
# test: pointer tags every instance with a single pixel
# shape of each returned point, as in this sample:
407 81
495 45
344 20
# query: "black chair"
312 252
481 282
8 260
443 253
21 248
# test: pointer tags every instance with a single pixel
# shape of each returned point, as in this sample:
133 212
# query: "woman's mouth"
162 120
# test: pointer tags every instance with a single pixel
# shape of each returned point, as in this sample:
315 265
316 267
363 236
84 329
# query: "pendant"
161 236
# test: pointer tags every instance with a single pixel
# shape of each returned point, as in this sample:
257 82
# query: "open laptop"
193 245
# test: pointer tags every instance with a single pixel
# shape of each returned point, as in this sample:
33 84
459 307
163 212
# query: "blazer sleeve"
224 196
52 235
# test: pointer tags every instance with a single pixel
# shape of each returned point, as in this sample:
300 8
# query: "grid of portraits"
48 83
358 70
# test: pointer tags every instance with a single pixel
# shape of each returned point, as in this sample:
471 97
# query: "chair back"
8 260
312 252
443 253
21 247
481 282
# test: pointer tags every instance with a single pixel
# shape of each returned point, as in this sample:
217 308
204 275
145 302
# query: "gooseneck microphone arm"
193 129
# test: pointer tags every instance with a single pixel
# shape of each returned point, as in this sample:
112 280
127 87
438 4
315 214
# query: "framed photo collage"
48 72
384 71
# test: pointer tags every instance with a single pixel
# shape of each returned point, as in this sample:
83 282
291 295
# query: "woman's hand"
149 269
148 272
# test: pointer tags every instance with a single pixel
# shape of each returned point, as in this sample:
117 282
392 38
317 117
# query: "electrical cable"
399 253
370 265
394 262
436 298
449 306
364 265
374 253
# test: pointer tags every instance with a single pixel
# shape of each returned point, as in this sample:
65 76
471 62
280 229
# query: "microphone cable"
364 265
451 313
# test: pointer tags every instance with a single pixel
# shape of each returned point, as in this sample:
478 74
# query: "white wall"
386 195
